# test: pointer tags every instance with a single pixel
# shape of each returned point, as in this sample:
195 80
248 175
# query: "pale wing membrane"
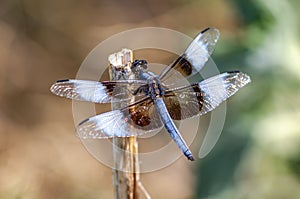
134 120
98 92
194 58
218 88
203 97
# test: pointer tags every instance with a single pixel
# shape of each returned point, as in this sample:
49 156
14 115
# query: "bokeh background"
258 154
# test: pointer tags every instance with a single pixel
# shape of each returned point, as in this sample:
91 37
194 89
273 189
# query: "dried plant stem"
125 180
126 172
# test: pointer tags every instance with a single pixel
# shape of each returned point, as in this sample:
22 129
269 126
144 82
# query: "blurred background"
258 153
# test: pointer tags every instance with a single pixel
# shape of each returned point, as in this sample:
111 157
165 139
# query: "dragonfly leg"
141 89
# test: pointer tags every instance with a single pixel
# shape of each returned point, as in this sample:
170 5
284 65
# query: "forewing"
193 59
98 92
135 120
203 97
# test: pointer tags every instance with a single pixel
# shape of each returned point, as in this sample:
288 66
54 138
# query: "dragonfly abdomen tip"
191 158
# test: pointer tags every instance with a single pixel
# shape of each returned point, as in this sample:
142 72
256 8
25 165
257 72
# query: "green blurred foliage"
250 161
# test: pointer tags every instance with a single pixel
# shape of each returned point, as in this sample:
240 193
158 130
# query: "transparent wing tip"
62 88
56 87
86 130
241 79
211 31
234 81
208 37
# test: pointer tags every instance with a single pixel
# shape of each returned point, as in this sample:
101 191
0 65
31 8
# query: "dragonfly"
155 101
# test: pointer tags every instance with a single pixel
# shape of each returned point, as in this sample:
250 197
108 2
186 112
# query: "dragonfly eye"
139 63
143 64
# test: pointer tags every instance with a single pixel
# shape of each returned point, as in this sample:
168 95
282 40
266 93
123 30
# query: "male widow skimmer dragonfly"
157 102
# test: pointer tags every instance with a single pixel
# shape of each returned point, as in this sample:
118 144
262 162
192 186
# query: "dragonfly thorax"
155 89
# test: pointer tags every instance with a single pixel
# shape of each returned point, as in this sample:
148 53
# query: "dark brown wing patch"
140 114
184 103
183 66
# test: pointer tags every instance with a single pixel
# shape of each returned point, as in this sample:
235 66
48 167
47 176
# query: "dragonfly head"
138 65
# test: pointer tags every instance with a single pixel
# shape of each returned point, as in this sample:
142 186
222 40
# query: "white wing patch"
97 92
201 48
82 90
116 123
91 91
105 125
218 88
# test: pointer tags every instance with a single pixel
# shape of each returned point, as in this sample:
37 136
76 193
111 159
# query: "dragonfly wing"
184 103
194 57
134 120
201 98
98 92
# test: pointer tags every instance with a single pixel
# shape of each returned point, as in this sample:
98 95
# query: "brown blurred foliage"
42 41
